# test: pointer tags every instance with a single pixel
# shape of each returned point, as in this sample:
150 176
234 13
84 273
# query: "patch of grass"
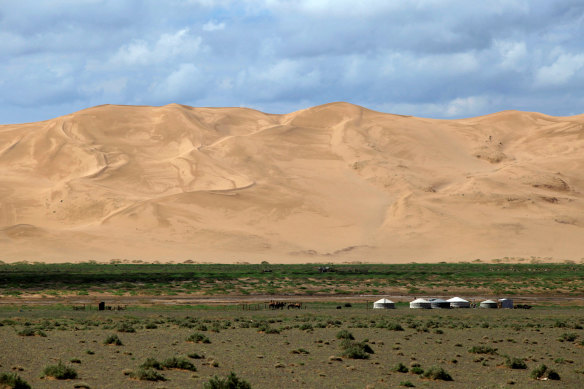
437 373
197 337
196 356
147 374
113 339
229 382
60 371
394 327
400 368
407 384
13 381
356 350
515 363
178 363
542 371
567 337
482 350
126 327
344 334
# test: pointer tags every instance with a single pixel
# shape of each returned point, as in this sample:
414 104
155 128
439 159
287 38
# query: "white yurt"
457 302
488 304
439 304
420 304
506 303
384 304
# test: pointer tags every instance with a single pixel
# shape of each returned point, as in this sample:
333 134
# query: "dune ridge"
336 182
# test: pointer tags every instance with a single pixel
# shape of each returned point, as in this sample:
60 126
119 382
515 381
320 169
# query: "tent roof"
384 301
420 300
505 299
457 300
437 300
489 302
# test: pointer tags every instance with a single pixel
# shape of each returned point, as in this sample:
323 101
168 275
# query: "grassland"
289 349
121 279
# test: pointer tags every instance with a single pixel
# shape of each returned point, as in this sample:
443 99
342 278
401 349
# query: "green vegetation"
482 350
302 279
515 363
229 382
400 368
13 381
198 338
542 371
113 339
60 371
437 373
147 374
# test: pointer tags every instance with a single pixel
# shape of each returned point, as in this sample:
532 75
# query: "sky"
429 58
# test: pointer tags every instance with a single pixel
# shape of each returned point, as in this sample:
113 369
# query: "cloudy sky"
430 58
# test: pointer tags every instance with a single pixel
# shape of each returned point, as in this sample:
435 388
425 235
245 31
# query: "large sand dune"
336 182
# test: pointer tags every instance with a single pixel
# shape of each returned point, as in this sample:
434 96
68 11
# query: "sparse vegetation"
229 382
60 371
437 373
12 381
113 340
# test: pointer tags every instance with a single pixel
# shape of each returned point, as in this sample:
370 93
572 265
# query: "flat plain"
171 309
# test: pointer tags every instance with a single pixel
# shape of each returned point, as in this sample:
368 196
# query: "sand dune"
336 182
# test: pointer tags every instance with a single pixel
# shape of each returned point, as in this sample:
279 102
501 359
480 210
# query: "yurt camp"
488 304
420 303
457 302
506 303
384 304
436 303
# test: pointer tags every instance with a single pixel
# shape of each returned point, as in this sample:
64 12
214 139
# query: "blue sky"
429 58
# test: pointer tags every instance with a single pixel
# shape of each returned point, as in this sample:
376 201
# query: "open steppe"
291 349
336 182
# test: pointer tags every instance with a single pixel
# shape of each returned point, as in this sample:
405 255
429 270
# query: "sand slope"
335 182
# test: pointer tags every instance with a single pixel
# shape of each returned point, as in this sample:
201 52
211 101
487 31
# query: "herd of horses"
281 304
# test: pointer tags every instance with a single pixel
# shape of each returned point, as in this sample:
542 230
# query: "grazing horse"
295 305
276 305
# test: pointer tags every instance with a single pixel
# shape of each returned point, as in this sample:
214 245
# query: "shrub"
60 371
196 356
151 326
407 384
356 350
567 337
75 360
198 338
151 363
306 327
515 363
400 368
229 382
13 381
542 371
437 373
178 363
113 339
394 327
126 327
482 350
344 334
417 370
147 374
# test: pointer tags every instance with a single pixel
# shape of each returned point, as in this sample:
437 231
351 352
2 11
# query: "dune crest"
336 182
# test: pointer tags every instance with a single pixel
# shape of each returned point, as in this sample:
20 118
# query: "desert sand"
333 183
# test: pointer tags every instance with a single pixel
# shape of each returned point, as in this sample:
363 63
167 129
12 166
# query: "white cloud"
166 48
213 25
561 71
513 54
183 83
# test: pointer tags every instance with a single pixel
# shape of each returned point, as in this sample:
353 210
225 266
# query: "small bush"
515 363
196 356
344 334
151 363
89 352
151 326
126 327
400 368
229 382
356 350
13 381
407 384
178 363
437 373
147 374
417 370
394 327
60 371
542 371
306 327
75 360
482 350
198 338
113 339
567 337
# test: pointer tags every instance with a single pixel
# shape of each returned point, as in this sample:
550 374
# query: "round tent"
488 304
439 303
457 302
506 303
384 304
420 304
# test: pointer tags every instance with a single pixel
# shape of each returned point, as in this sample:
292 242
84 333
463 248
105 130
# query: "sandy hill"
335 182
